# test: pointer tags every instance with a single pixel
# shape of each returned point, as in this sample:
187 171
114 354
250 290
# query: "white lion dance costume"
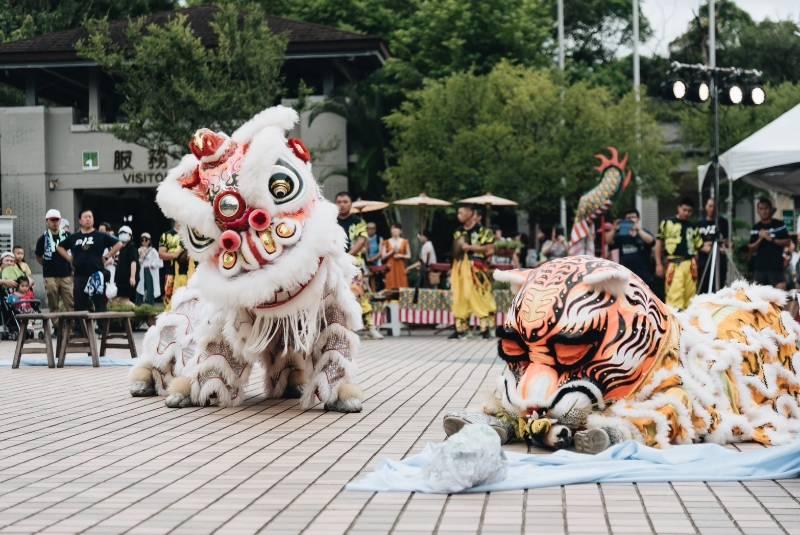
593 355
273 281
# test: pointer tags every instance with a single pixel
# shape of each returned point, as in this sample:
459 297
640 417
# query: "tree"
371 17
173 84
596 30
773 47
27 18
508 132
449 36
692 45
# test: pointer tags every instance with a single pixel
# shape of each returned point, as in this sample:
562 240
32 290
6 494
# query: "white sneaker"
373 334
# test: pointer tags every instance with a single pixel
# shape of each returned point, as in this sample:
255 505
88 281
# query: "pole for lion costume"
602 236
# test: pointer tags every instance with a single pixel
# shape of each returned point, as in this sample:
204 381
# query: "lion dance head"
250 212
581 332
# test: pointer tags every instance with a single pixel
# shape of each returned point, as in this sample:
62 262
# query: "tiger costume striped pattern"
588 345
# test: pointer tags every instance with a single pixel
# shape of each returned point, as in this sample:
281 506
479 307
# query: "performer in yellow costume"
356 230
470 280
181 267
679 239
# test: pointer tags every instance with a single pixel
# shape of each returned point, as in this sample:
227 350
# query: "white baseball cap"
125 229
52 213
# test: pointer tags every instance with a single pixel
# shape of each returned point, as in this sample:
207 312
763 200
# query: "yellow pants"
680 285
361 291
472 294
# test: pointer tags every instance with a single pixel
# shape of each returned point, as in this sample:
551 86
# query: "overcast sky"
670 18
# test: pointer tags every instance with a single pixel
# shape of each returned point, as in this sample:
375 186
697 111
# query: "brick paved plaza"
77 454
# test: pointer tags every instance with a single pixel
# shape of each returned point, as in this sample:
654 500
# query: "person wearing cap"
56 270
149 287
84 249
127 265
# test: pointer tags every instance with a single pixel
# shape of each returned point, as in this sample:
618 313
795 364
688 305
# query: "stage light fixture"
755 96
678 89
731 95
698 92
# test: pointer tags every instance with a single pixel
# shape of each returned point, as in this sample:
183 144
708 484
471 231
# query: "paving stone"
87 457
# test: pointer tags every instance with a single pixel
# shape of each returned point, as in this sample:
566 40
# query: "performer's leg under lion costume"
593 355
273 282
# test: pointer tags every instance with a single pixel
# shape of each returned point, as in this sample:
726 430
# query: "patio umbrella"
422 201
362 207
488 200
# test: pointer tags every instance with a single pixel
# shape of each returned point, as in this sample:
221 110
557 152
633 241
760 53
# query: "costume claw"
177 401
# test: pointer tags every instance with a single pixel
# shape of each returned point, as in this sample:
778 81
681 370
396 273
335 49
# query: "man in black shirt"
355 230
768 237
710 234
56 270
635 245
84 250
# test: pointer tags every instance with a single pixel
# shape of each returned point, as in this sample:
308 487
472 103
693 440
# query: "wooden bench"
68 340
23 341
105 319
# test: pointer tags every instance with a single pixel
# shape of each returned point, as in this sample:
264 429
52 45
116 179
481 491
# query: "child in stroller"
19 301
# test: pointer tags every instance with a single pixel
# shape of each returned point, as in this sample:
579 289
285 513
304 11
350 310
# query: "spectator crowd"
690 255
85 269
93 266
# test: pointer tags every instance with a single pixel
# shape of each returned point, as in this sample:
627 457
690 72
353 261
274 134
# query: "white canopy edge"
776 144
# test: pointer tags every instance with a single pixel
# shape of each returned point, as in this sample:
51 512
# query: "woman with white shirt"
149 287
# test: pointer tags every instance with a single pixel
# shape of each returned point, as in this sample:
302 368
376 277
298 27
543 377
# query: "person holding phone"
556 246
635 245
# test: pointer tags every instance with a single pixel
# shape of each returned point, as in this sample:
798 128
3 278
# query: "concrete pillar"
327 84
94 98
30 88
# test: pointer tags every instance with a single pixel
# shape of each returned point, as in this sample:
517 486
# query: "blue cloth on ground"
622 463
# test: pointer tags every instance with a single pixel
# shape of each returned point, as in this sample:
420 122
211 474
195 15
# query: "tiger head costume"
581 331
594 358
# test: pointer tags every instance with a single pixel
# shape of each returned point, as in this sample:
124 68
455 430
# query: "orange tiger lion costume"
593 355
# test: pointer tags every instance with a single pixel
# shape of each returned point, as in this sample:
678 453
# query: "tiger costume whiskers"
589 346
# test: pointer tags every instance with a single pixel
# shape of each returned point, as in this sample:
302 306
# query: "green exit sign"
90 160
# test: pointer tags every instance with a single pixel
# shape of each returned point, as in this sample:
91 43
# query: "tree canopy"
508 132
173 84
772 47
21 19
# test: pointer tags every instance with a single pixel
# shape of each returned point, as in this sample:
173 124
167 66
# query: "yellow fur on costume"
734 379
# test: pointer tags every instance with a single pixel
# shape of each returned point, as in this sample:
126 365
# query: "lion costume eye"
284 183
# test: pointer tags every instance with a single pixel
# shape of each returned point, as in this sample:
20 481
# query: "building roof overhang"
305 41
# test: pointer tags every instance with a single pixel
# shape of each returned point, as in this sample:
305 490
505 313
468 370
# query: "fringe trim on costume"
707 361
297 332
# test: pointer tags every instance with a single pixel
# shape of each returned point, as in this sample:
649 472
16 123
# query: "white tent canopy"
769 158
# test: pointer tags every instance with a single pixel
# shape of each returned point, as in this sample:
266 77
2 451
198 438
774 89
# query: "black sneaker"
456 336
485 334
